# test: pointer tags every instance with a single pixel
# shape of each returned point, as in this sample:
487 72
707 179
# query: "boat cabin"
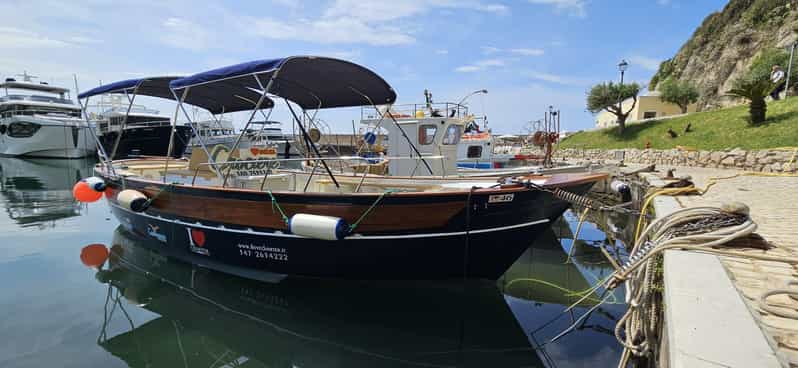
55 103
114 113
431 130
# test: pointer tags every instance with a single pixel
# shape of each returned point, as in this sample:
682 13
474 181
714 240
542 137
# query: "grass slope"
711 130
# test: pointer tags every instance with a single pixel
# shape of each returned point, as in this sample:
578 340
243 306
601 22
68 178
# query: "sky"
528 54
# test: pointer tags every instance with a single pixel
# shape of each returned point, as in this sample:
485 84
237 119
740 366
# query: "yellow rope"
692 189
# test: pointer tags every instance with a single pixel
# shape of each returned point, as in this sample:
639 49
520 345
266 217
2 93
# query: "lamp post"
485 91
622 68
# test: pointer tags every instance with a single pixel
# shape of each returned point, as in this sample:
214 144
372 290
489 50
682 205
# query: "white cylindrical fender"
319 227
95 183
132 200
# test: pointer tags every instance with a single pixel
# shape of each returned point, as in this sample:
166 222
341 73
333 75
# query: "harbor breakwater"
774 160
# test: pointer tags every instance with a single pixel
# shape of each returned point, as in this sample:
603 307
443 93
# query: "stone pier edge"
707 323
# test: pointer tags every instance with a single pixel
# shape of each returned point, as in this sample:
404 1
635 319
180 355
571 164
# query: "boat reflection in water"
211 319
37 192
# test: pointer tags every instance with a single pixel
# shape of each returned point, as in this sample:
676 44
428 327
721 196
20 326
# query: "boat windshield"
14 109
36 98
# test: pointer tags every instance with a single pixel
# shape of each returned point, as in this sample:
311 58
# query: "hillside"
711 130
727 42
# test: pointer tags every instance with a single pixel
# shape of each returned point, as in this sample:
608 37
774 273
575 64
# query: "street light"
622 68
485 91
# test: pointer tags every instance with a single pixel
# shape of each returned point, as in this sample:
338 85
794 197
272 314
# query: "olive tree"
608 96
679 93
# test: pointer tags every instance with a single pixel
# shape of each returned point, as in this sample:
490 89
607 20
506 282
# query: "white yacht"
213 132
39 120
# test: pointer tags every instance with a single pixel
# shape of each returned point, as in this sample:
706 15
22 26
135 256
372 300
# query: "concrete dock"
712 304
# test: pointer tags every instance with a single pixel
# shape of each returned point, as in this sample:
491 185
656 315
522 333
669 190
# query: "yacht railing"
46 113
105 126
36 98
444 109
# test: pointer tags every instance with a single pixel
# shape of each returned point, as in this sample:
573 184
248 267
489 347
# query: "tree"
762 64
755 89
680 93
607 96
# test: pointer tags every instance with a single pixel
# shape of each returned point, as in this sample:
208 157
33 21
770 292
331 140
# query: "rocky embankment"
753 160
725 45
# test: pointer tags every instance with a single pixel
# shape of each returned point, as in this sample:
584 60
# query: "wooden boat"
297 223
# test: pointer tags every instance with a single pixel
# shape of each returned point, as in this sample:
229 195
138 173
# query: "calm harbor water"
144 310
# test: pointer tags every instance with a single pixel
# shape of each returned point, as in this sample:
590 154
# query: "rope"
576 234
157 194
368 210
694 190
277 205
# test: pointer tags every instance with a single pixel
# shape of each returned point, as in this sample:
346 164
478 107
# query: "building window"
426 134
452 136
649 114
474 152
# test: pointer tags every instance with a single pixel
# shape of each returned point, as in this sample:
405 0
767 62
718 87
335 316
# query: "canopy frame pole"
171 143
101 150
387 111
263 126
249 121
180 101
124 120
312 145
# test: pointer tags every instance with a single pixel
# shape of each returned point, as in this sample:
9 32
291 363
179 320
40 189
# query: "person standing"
777 77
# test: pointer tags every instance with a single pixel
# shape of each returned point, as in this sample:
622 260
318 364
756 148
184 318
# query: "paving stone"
773 202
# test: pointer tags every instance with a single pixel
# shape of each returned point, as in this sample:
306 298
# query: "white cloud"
15 38
571 7
341 30
84 40
357 21
442 52
556 78
487 50
527 52
481 65
647 63
184 34
490 50
467 69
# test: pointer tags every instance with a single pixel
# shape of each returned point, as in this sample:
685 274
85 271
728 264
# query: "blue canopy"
159 87
309 81
154 86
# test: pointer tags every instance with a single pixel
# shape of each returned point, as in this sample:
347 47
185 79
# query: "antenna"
25 76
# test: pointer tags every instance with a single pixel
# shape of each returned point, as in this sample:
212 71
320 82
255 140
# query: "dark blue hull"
479 254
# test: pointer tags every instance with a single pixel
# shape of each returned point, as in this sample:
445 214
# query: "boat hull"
147 141
404 237
53 139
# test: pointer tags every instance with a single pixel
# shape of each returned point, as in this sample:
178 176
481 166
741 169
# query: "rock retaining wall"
753 160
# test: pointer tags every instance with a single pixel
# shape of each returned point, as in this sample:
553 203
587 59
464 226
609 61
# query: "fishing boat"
237 215
128 130
451 133
39 120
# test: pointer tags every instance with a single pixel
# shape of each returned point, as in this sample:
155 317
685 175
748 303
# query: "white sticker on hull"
262 252
501 198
